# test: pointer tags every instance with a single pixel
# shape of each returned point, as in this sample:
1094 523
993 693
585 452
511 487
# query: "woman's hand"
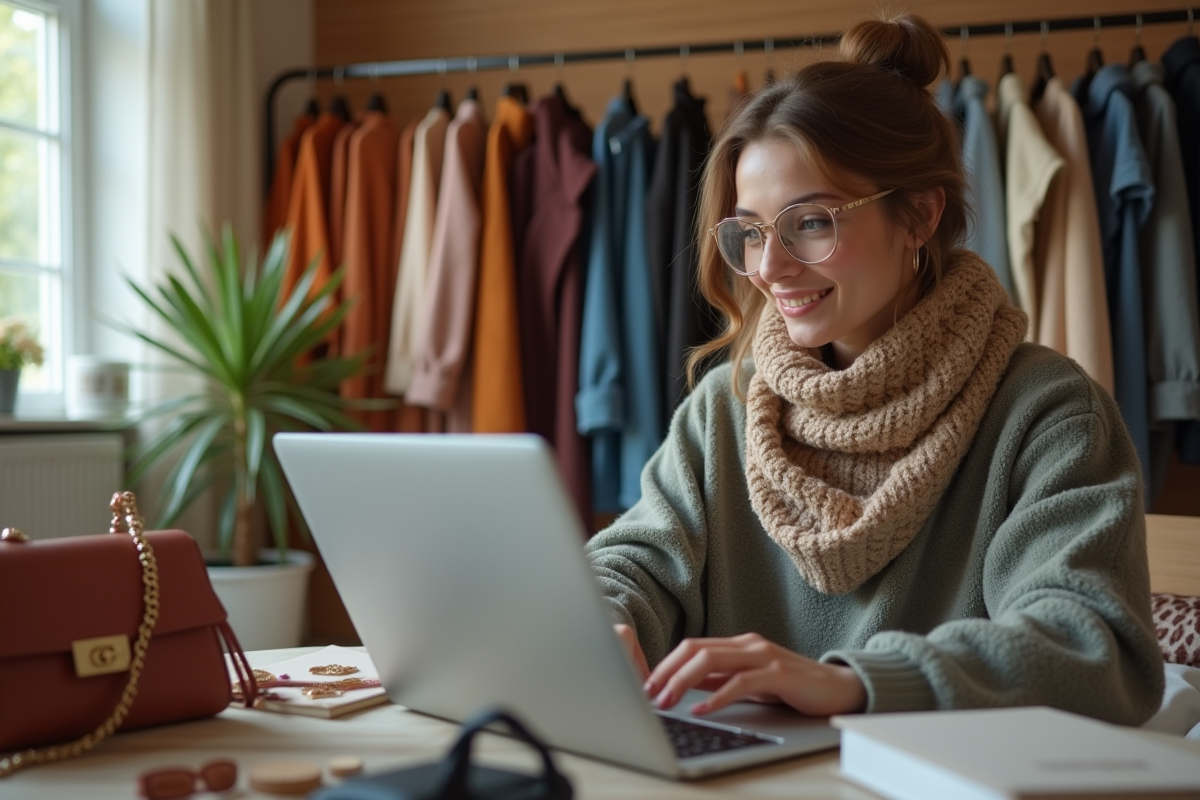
629 638
749 667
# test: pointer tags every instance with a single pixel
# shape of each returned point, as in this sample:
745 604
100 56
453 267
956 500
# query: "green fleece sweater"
1028 585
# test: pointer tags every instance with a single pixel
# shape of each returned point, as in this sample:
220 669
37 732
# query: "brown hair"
869 115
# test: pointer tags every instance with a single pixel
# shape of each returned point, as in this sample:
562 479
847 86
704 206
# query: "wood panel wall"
349 31
367 30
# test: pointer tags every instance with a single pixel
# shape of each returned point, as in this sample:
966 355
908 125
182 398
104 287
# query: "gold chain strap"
125 520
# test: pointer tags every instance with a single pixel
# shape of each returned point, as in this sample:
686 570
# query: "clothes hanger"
560 89
517 91
338 105
472 68
376 102
442 100
964 64
1045 69
627 84
1006 62
1095 60
682 84
312 108
741 83
1138 53
627 95
769 49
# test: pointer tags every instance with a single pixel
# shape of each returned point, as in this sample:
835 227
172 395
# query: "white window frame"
73 307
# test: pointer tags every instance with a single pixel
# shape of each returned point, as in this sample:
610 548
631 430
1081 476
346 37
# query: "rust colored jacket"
339 179
497 398
370 209
308 212
281 183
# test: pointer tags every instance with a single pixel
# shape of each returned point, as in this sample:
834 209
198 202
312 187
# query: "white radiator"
59 484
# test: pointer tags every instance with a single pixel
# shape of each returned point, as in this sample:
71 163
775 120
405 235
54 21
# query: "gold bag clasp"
101 656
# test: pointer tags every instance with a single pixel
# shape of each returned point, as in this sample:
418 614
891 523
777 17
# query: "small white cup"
97 387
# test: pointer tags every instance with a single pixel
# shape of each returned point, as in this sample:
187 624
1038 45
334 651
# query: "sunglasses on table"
173 783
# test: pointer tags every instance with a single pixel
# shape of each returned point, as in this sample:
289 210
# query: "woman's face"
855 295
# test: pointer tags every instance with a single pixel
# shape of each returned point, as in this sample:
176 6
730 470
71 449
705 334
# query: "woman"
897 504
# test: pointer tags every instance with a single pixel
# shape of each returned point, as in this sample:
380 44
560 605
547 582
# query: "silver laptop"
460 562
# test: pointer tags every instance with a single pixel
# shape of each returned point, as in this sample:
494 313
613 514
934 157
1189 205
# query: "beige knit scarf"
845 466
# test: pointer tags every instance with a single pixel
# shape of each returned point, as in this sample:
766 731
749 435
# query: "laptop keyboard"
691 739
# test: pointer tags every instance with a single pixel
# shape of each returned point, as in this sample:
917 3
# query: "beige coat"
428 149
441 371
1030 164
1073 314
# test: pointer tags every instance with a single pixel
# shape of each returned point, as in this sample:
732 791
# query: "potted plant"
18 347
227 324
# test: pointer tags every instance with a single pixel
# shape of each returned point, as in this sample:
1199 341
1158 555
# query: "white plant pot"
266 604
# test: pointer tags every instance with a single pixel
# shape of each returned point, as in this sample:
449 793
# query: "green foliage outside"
20 292
18 151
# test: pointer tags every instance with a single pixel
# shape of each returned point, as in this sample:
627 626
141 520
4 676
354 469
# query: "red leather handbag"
106 633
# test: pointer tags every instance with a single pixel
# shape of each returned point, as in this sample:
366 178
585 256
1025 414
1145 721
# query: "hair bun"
905 45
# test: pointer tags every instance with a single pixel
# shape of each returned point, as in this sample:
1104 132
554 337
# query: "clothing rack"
442 66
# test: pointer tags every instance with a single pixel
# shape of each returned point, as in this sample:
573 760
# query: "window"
35 184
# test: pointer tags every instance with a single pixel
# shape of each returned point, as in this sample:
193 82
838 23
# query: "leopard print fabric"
1177 626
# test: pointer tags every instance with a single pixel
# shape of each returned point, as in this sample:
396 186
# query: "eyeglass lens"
807 232
174 783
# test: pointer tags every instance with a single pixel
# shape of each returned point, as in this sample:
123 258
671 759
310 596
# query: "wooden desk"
385 737
388 737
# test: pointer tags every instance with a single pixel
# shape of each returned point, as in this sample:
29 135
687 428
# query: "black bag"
456 778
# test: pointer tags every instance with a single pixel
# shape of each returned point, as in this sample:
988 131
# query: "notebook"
1011 754
460 561
342 699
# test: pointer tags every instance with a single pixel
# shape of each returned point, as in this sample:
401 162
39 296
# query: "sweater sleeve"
1065 585
650 561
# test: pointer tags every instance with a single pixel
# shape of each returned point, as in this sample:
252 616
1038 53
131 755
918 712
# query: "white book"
1010 754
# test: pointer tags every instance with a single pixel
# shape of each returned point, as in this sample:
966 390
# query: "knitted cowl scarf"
844 467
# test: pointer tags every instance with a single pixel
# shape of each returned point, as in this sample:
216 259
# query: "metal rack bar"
441 66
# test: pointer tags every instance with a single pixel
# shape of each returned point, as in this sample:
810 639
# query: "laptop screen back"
460 561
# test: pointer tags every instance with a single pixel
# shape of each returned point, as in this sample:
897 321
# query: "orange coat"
497 397
281 184
370 209
339 177
308 213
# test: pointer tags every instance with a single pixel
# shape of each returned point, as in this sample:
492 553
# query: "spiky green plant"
250 348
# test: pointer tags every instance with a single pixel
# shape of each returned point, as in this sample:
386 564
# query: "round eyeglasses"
807 231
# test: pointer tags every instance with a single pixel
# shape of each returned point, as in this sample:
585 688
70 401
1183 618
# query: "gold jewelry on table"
322 690
261 675
333 669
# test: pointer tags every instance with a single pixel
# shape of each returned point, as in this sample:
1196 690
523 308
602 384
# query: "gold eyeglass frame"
762 226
